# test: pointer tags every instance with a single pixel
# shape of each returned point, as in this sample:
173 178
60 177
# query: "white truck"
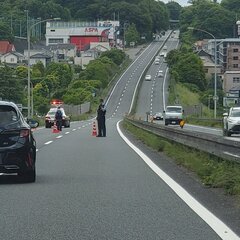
173 115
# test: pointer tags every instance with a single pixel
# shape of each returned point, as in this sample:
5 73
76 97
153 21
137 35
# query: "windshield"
174 109
235 113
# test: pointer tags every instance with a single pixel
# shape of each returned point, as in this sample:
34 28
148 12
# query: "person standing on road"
101 112
58 119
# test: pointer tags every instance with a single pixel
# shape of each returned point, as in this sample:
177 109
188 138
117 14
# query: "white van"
173 115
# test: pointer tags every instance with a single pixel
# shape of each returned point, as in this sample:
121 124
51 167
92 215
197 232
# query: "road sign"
215 98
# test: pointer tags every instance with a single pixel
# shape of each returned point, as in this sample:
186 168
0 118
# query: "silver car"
231 122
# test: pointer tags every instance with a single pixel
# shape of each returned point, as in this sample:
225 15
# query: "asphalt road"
105 188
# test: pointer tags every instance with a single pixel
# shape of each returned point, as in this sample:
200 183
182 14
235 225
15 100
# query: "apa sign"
91 29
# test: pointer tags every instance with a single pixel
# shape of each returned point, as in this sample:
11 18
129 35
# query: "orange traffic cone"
55 130
94 130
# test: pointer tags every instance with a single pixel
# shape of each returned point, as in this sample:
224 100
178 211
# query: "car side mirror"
164 111
33 123
225 114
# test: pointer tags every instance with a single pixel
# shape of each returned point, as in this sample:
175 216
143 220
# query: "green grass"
213 171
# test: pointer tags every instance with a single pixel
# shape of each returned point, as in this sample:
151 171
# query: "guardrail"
216 145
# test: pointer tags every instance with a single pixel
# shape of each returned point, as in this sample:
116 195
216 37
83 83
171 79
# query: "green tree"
116 55
174 10
11 87
132 34
208 16
5 32
190 70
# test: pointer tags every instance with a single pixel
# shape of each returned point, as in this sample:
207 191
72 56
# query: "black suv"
17 144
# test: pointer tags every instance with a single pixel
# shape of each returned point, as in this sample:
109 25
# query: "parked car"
50 118
148 77
158 116
231 122
17 144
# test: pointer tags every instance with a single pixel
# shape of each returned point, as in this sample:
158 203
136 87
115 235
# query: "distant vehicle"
158 116
157 61
164 48
231 122
160 73
148 77
173 115
17 144
50 118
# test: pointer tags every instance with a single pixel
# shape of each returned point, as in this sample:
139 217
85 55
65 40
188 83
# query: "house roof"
6 46
203 53
40 55
17 54
232 72
61 46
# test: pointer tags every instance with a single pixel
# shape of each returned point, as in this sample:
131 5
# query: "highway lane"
153 94
99 188
95 188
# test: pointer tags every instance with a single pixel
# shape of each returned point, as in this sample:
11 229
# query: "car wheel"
28 176
224 132
67 124
228 133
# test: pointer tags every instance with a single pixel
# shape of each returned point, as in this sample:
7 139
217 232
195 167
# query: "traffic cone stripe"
94 130
55 130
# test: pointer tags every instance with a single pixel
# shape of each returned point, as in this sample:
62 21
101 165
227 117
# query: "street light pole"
215 97
30 114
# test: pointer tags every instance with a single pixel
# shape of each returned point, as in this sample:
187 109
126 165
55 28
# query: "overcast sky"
181 2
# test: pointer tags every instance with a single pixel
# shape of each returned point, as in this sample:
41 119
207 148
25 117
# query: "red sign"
91 29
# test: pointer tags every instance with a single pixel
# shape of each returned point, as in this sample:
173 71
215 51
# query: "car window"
235 113
174 109
8 115
54 110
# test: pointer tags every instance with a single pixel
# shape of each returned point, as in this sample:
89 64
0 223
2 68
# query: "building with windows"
81 34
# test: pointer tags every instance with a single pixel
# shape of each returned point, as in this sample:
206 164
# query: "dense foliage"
138 18
148 16
57 81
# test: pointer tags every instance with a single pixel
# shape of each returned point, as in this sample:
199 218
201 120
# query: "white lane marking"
234 155
74 129
59 136
215 223
81 127
36 150
67 132
46 143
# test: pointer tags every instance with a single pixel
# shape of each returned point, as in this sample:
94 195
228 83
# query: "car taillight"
24 133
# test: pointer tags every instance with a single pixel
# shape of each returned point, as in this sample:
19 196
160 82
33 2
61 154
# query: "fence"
77 109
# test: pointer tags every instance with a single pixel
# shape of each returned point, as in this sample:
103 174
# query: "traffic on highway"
113 187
